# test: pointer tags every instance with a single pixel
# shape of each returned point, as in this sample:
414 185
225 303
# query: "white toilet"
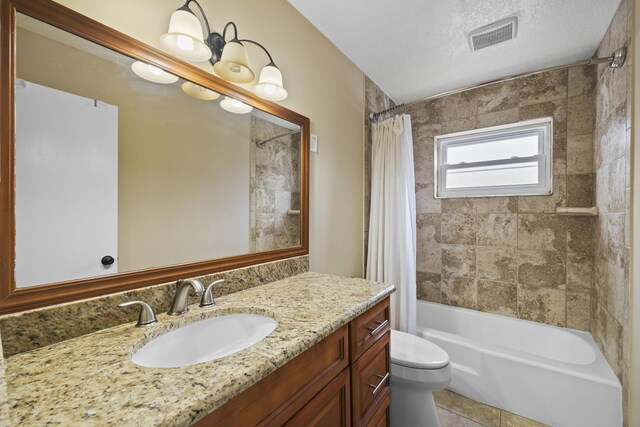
418 368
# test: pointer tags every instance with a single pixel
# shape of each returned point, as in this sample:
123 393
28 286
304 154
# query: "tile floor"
455 410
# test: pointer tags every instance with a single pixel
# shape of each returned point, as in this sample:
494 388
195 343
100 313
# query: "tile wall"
275 187
511 255
611 158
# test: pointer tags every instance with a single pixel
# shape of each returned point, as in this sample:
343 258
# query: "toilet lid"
416 352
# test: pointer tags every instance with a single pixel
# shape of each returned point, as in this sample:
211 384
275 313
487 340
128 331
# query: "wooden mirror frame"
13 299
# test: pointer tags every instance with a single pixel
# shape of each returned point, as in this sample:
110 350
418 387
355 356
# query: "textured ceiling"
417 48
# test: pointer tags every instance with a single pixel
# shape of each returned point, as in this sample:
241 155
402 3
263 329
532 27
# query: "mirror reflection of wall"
162 178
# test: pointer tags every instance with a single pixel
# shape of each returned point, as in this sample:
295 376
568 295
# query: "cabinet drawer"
370 382
380 417
328 408
368 328
280 395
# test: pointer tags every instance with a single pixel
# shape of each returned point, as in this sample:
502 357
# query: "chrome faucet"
180 304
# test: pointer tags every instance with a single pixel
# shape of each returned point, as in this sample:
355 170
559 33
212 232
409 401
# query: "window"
507 160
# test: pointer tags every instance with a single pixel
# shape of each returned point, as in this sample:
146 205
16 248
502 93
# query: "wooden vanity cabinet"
342 381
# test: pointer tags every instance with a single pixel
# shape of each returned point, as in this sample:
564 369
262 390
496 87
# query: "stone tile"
543 87
559 155
487 205
580 154
580 271
497 297
428 287
580 118
582 80
423 152
459 260
497 97
461 405
458 229
556 109
499 264
542 231
497 230
426 112
449 419
545 204
542 269
429 257
581 190
265 200
610 241
609 137
616 292
498 118
610 189
283 201
542 305
608 334
459 125
425 201
513 420
465 205
428 227
580 234
460 105
459 291
578 305
265 224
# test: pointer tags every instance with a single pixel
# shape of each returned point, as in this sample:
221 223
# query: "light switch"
314 143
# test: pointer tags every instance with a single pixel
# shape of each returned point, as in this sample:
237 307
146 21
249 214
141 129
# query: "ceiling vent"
494 33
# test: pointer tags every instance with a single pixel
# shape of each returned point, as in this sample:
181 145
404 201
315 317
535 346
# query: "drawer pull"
383 379
377 328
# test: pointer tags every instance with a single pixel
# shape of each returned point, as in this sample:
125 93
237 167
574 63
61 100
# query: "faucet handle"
146 317
207 297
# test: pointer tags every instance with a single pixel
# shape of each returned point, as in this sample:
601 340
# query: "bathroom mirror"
131 167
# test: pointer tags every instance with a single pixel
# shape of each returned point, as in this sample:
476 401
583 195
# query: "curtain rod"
616 60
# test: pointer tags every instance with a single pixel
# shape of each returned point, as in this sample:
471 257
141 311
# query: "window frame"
542 127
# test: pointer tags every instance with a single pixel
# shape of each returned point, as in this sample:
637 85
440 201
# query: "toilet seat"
415 352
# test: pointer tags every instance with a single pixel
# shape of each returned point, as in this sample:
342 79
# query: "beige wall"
183 164
323 85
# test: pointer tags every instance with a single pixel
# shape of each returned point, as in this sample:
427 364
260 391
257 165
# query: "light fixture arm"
235 31
263 48
204 15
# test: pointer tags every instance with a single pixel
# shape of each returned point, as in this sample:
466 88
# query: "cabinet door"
329 408
370 382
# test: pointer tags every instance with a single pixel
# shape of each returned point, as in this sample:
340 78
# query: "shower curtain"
391 256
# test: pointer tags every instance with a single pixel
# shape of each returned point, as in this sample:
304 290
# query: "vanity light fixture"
152 73
230 59
199 92
234 106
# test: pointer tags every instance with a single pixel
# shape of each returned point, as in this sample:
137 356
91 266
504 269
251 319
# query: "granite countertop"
91 379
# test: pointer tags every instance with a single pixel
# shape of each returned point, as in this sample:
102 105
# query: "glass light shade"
185 39
235 106
234 64
152 73
270 84
199 92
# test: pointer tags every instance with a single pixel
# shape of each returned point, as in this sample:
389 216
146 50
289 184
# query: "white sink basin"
206 340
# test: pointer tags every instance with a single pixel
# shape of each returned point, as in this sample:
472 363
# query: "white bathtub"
554 375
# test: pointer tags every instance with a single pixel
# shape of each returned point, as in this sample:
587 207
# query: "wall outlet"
314 143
